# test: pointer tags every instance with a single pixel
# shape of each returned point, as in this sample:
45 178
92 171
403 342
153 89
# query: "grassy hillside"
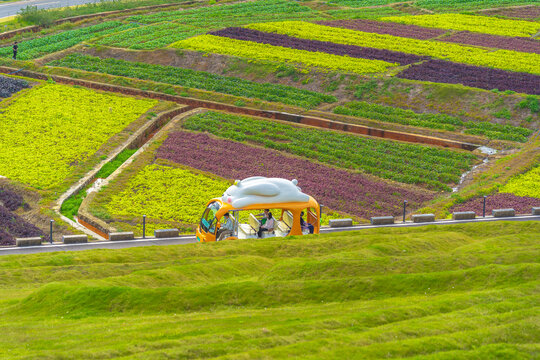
452 292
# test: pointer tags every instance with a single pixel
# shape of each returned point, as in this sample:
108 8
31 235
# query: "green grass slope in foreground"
451 292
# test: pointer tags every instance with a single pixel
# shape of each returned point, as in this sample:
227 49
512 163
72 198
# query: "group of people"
267 224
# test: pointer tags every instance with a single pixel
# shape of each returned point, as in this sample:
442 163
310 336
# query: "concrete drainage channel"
172 236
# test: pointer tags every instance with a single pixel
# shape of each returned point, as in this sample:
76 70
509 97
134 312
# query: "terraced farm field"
501 59
390 67
196 167
376 107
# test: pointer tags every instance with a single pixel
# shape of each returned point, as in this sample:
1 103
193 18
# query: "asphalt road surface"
11 8
191 239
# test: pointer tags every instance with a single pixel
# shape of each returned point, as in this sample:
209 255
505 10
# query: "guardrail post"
51 232
144 226
404 209
484 211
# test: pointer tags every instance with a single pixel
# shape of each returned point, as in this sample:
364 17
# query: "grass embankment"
464 291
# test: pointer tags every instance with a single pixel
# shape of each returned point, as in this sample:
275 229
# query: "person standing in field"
15 49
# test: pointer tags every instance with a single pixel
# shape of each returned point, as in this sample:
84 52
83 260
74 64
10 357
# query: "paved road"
97 245
191 239
11 8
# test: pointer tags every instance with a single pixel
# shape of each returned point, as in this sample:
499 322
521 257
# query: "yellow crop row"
166 193
473 23
527 184
253 50
501 59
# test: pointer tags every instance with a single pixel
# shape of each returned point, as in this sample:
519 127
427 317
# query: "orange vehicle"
253 195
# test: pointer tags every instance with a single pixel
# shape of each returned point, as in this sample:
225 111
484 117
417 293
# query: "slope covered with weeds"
464 291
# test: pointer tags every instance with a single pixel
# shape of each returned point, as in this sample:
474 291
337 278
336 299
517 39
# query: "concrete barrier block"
382 220
536 210
337 223
421 218
33 241
121 236
504 212
74 239
166 233
464 215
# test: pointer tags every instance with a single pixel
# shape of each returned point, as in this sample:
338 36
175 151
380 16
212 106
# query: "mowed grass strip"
458 291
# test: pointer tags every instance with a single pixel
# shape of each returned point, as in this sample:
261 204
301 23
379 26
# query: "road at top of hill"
12 8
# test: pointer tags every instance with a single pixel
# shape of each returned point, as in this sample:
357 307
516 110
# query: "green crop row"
49 44
433 121
232 14
406 163
151 36
195 79
47 132
500 59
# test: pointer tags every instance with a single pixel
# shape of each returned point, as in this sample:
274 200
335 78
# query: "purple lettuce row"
531 12
13 226
484 78
9 86
317 46
386 28
494 41
11 200
341 190
522 205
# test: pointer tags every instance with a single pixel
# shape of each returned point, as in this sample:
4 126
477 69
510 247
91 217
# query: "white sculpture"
263 190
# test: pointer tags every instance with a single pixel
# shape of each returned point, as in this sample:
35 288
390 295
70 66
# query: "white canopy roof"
263 190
